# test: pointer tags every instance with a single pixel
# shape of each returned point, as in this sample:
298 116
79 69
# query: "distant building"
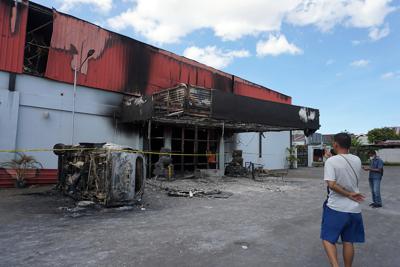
311 150
396 129
363 139
327 139
314 139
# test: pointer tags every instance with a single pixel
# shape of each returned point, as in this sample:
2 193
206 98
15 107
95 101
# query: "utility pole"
89 54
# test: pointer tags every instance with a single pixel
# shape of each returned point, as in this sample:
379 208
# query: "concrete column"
168 137
9 108
310 155
221 155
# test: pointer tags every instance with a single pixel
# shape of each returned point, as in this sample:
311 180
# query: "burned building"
128 93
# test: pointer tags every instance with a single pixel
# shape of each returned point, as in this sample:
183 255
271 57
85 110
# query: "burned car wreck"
107 174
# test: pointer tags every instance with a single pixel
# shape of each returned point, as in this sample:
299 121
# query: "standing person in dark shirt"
375 177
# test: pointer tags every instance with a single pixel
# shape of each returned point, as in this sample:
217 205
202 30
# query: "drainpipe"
221 152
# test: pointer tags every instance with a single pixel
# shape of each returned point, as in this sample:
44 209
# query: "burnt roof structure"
189 105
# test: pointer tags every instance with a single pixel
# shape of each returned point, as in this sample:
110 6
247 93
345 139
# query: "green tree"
382 134
355 142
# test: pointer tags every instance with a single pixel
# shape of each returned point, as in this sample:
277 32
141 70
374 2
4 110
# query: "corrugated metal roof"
122 64
13 18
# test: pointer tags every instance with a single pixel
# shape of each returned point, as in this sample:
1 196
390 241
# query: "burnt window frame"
39 30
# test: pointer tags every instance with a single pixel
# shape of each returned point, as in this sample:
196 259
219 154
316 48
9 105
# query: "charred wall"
57 43
139 64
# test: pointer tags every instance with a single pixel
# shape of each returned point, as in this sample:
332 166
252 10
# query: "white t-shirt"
337 169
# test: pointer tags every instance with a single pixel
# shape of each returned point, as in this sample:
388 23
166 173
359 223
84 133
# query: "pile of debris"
199 193
235 167
163 167
203 187
107 174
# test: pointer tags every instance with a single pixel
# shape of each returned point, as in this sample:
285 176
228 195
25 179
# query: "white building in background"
268 149
363 139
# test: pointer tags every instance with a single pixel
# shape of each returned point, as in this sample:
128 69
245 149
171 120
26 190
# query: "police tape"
124 150
102 150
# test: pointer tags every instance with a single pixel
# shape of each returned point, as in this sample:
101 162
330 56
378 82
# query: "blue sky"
342 57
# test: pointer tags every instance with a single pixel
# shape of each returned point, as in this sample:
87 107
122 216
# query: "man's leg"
348 254
331 252
377 191
371 186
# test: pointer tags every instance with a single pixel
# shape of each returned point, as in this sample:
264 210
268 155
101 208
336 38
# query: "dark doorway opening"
302 156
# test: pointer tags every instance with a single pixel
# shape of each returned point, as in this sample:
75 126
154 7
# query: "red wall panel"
13 19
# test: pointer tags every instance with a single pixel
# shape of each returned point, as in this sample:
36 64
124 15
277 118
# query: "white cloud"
213 56
368 13
326 14
99 23
330 62
360 63
378 33
167 21
101 5
276 45
390 75
356 42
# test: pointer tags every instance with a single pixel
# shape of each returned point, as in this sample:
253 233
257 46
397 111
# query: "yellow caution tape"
116 150
101 149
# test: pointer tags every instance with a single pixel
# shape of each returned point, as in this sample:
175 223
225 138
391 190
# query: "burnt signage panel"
227 106
195 105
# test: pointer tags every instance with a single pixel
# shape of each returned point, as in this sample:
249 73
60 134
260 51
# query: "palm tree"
21 164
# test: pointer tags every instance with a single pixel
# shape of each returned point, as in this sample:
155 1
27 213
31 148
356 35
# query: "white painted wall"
391 155
274 147
39 115
311 153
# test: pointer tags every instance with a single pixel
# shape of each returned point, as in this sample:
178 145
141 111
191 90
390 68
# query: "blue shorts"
349 226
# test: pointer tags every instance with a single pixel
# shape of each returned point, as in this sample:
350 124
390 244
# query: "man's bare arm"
358 197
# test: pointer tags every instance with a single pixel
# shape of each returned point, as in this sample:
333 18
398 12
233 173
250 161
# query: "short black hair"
372 152
343 140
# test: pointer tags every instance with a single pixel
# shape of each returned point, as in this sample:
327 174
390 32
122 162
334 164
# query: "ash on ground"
219 187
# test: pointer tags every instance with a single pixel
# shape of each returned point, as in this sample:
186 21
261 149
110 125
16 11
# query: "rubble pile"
235 167
163 167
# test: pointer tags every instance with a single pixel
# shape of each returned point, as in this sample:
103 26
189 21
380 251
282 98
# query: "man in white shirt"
342 212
